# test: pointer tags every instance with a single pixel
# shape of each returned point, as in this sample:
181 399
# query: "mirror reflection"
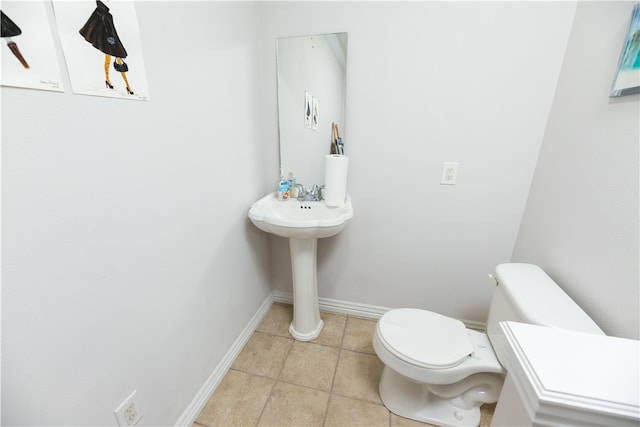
311 97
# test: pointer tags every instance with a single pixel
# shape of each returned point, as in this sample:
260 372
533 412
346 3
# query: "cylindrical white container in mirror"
335 179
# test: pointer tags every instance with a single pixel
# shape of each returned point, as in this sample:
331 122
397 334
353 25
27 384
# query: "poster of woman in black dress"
93 35
100 31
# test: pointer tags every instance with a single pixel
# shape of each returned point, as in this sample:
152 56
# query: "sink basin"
299 220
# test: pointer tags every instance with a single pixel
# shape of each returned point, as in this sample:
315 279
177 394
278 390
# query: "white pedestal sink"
303 223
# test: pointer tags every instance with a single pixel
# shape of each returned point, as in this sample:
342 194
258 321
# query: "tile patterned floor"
331 381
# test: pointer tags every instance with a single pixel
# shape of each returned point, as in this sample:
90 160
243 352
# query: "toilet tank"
526 294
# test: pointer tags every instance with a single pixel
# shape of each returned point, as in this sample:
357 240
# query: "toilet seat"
425 339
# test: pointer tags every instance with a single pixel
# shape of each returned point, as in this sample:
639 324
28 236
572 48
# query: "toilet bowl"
436 370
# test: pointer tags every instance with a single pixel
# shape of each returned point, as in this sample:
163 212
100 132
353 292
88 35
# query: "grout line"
273 335
284 363
344 331
266 402
359 399
253 374
277 380
326 410
335 370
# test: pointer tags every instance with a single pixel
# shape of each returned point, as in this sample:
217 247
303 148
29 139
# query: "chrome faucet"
314 194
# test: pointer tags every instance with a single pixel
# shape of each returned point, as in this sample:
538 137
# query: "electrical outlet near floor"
127 413
449 173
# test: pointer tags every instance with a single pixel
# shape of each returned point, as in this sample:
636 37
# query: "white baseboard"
202 397
357 309
337 306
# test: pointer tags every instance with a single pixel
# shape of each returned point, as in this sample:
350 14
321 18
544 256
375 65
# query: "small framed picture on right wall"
627 79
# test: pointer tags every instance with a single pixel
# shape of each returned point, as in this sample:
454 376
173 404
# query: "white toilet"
438 371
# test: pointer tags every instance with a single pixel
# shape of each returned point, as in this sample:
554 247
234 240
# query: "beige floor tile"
358 335
333 329
486 414
344 411
311 365
358 376
292 405
263 354
277 320
238 400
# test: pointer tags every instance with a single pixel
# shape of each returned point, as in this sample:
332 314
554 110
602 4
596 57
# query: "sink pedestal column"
306 325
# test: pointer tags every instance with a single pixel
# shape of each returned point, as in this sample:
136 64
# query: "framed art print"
627 79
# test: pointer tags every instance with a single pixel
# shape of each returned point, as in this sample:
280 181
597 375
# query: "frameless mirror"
311 96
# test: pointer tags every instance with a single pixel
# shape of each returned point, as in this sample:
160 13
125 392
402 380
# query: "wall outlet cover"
127 413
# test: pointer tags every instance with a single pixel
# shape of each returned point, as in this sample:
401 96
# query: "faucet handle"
302 192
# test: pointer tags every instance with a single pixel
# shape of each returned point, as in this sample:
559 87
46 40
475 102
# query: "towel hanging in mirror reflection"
337 146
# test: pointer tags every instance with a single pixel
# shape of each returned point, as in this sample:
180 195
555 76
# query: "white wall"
128 260
429 82
581 219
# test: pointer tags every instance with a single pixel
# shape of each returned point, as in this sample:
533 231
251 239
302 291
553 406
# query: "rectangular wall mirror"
311 96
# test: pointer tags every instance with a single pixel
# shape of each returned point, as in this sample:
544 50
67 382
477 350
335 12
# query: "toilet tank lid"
540 300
